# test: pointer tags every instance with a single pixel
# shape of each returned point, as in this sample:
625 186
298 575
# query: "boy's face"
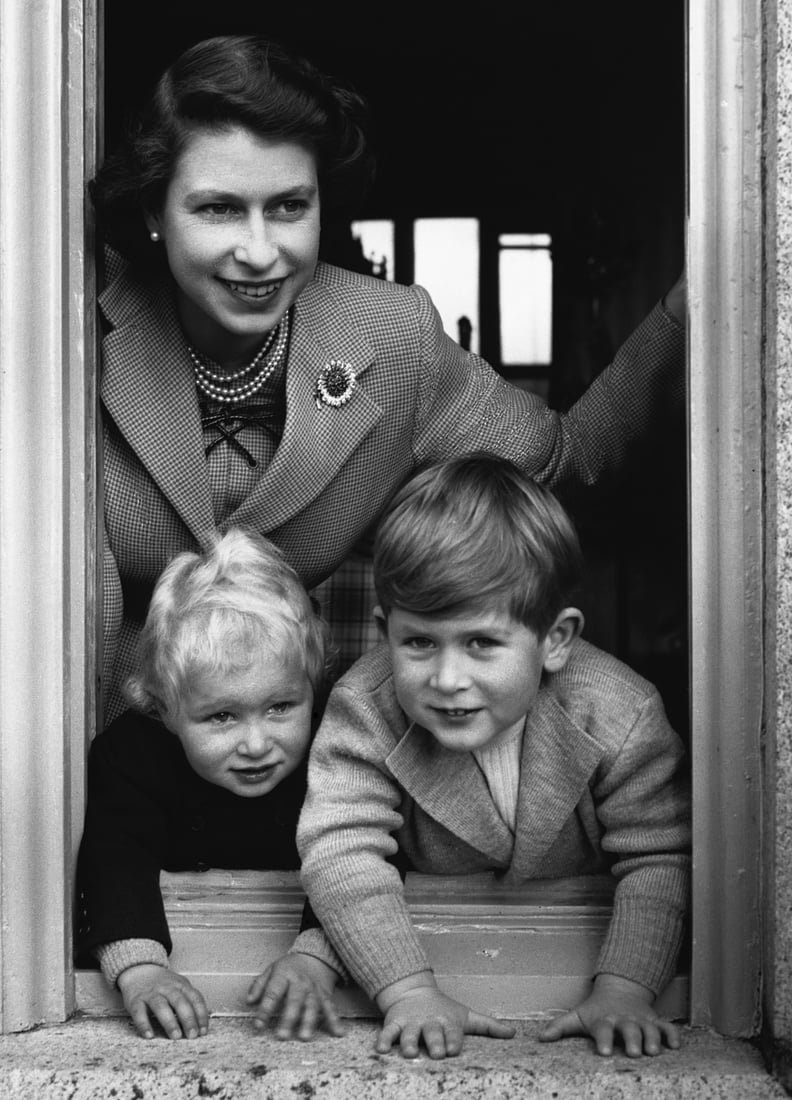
247 728
469 678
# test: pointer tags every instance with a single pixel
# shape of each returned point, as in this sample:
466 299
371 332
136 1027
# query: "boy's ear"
381 619
558 643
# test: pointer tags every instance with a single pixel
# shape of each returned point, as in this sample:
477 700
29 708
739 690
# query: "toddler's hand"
424 1012
616 1006
174 1003
299 988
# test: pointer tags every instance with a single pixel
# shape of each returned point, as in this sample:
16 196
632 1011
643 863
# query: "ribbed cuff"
643 943
119 955
314 942
383 944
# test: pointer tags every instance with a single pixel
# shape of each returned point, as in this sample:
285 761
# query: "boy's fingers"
409 1041
632 1037
670 1033
602 1034
652 1039
454 1038
434 1039
477 1024
561 1027
387 1037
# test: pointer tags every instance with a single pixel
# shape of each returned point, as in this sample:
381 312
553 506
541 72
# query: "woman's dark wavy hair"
230 80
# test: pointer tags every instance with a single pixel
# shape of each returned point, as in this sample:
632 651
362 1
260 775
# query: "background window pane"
447 265
376 243
524 240
526 305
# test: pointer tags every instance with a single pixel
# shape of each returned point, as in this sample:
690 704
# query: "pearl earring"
154 235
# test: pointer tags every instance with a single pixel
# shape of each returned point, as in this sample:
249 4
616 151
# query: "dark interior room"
563 119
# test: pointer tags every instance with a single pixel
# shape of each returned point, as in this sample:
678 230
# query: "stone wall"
778 488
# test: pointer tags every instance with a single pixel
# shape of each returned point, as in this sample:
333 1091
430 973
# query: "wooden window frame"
49 122
516 953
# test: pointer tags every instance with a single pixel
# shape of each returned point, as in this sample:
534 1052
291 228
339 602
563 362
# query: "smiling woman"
240 226
246 383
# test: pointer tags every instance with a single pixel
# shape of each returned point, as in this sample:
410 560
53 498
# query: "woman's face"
240 224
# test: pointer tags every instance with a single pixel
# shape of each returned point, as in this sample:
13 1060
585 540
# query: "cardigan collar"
558 760
148 388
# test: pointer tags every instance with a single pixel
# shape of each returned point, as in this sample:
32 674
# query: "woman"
246 384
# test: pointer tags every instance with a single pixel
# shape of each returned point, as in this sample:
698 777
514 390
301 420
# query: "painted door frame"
48 127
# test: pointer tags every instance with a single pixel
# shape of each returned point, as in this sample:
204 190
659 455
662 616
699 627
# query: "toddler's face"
468 678
248 728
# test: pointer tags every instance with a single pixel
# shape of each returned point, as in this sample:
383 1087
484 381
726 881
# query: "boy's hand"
299 988
416 1009
616 1006
176 1004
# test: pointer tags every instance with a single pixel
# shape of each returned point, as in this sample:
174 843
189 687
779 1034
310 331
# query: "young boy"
208 770
486 735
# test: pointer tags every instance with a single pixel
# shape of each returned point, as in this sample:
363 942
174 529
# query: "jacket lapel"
317 439
558 760
149 390
450 787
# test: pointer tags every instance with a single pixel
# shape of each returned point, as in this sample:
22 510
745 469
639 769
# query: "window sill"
85 1059
514 953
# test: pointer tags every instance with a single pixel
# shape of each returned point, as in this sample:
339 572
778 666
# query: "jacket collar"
317 438
148 388
558 759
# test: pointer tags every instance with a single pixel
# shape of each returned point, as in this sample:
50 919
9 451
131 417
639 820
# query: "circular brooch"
335 384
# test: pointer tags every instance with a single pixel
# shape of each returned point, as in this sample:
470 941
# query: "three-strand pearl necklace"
228 389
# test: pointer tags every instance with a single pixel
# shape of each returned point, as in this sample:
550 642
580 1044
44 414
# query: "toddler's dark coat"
149 811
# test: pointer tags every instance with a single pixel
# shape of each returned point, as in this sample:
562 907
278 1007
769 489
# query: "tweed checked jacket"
603 785
418 398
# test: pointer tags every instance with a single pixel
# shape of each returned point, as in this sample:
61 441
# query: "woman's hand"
415 1009
616 1007
299 988
675 300
150 990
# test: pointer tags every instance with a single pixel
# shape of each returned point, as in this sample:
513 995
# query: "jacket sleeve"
464 405
120 856
345 839
643 806
112 599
